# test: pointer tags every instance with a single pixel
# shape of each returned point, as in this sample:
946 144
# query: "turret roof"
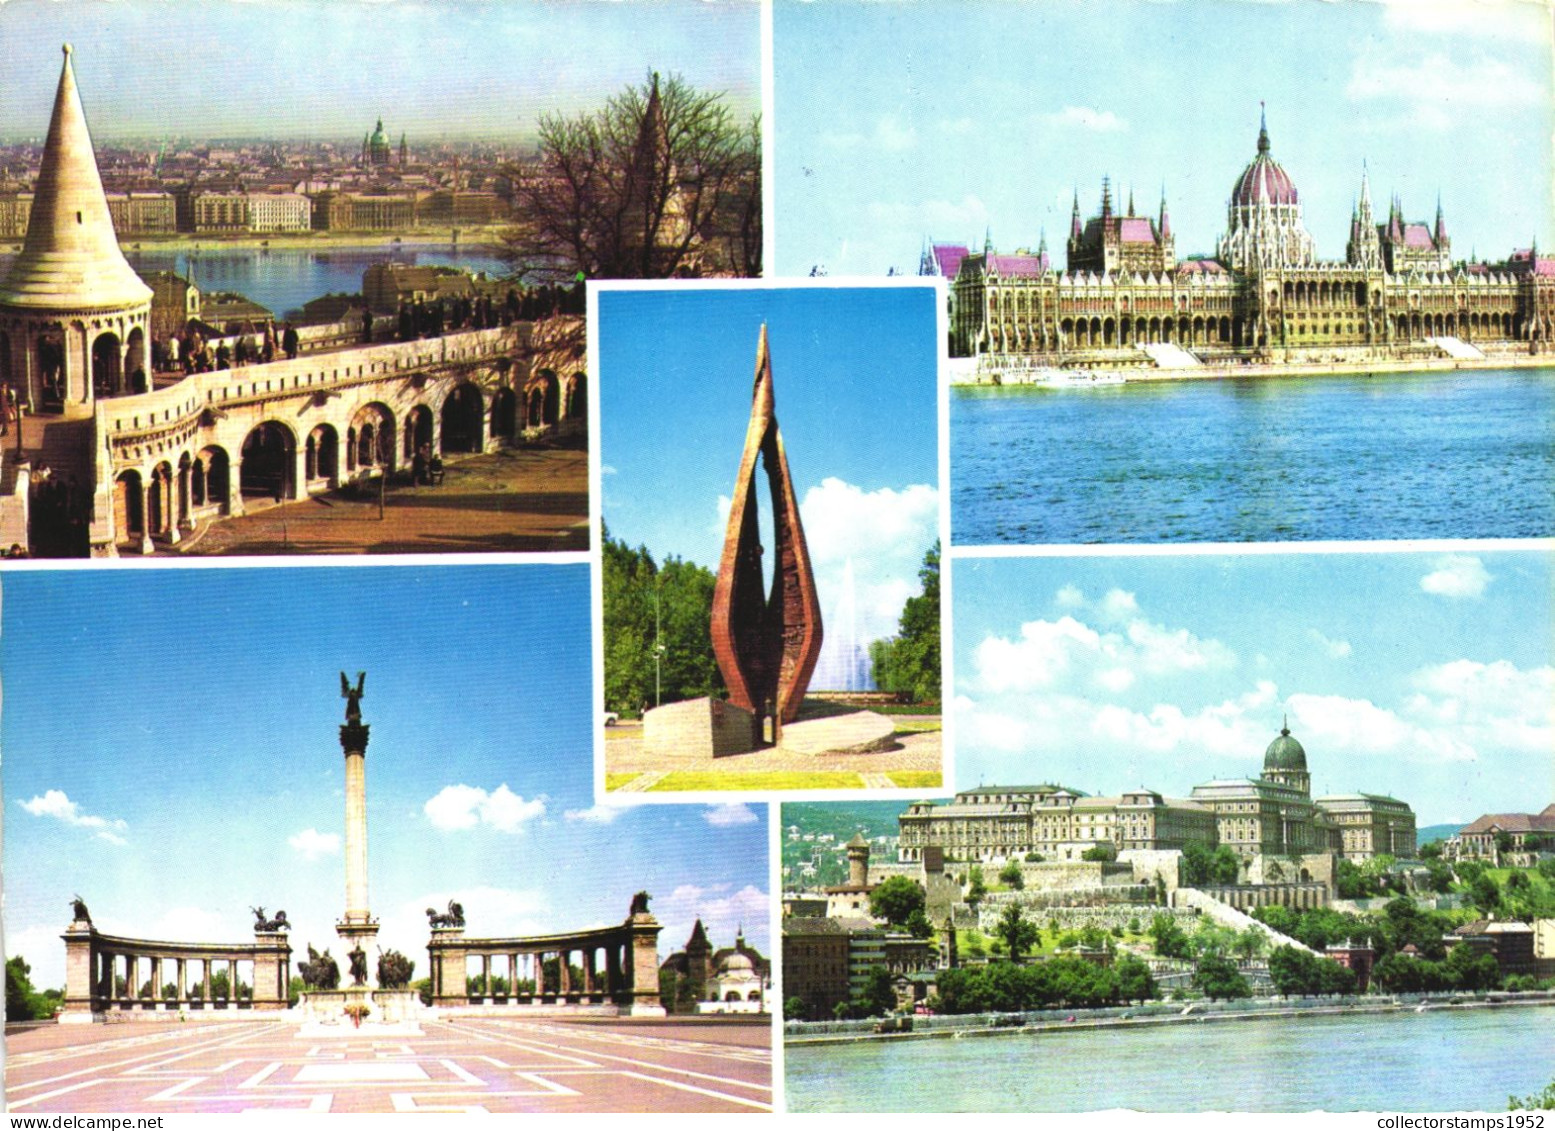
71 256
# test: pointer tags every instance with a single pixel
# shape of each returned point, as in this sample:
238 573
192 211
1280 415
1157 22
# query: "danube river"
1444 1060
282 279
1458 454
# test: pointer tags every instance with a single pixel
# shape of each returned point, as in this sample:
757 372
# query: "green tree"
663 182
976 886
1431 850
422 986
1170 939
1018 933
896 899
1537 1101
1218 977
1352 883
1012 877
1135 982
1104 851
658 640
22 1002
918 925
794 1009
910 661
1484 892
878 996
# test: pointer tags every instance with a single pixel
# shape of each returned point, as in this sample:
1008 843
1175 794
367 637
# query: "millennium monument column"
766 643
357 928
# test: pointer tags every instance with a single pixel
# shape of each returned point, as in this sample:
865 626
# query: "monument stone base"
698 728
857 732
391 1013
643 1009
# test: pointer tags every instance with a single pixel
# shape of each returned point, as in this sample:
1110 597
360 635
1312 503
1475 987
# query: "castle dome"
71 256
1285 753
1264 181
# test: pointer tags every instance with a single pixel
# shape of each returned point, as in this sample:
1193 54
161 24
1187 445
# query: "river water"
1462 454
282 279
1444 1060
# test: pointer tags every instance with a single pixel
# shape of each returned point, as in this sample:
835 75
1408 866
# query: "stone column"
148 493
82 982
486 992
538 958
612 970
357 927
183 983
588 970
643 966
563 973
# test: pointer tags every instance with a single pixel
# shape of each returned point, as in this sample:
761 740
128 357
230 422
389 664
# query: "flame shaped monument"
766 643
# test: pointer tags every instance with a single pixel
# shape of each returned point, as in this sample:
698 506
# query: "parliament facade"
1263 296
1272 814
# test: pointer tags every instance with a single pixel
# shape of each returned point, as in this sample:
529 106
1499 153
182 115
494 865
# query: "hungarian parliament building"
1264 296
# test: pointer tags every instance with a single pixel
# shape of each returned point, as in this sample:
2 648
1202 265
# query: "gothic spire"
1263 129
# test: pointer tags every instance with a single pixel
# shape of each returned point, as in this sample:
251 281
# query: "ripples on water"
1466 454
1469 1060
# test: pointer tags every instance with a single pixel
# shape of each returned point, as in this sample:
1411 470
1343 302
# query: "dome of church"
738 961
1264 181
1285 753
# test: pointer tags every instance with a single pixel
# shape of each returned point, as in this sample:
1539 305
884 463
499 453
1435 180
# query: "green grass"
925 727
917 779
616 781
688 781
907 709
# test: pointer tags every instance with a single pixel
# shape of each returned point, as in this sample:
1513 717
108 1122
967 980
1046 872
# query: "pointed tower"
71 276
1074 220
699 960
1365 248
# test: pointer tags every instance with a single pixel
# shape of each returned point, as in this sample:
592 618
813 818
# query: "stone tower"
858 861
74 316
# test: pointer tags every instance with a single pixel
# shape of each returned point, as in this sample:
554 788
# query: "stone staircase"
1458 349
1169 356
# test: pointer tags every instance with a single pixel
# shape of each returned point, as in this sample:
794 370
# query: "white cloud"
1495 706
1459 19
945 220
312 844
1457 575
595 814
54 803
890 135
1067 651
1086 118
842 521
1336 649
465 806
1069 597
722 816
1438 90
1343 726
722 913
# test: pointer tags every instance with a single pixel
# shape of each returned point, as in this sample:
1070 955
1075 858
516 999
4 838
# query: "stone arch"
211 478
50 352
136 379
321 461
577 404
182 499
418 430
504 414
373 442
463 419
129 508
268 462
107 365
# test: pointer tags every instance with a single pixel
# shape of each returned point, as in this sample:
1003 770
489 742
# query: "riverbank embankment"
963 1026
1371 366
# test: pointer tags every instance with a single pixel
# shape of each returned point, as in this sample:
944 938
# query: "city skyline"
981 118
864 466
1424 676
436 72
189 774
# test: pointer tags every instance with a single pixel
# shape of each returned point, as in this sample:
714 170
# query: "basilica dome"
1263 181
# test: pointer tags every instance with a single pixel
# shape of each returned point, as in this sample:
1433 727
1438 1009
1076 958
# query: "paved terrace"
468 1064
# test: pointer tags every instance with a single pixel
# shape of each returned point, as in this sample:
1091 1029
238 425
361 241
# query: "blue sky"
898 121
1426 676
854 375
172 755
325 70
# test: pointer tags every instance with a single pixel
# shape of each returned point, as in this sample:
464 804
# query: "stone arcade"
146 463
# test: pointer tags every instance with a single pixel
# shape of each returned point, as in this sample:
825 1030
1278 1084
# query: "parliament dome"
1264 181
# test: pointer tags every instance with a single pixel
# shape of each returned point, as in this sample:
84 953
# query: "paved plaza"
516 500
915 759
459 1064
